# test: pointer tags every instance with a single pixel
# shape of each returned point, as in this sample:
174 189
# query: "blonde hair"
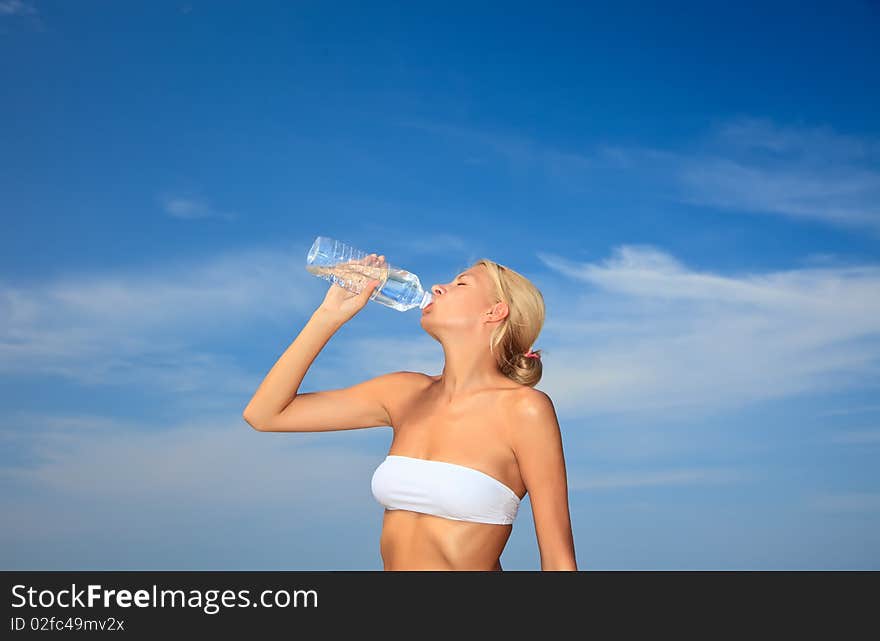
514 336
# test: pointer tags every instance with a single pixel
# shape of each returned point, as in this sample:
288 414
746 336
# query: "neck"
467 370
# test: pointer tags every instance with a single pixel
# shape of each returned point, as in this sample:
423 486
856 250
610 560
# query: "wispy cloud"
755 165
745 164
19 12
634 334
164 326
206 460
16 8
88 478
192 208
801 172
674 477
140 326
521 153
642 332
639 333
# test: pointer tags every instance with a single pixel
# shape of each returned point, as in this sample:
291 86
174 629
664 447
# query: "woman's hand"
340 304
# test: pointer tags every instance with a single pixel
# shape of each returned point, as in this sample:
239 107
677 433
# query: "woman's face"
463 302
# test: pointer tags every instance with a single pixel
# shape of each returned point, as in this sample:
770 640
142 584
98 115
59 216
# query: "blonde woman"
468 444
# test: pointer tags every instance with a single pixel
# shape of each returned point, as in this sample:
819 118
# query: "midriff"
472 432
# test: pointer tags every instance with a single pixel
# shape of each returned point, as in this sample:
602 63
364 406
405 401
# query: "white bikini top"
443 489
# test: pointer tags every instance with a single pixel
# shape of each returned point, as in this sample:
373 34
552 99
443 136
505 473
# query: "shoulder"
407 378
533 416
531 402
395 385
405 385
405 375
399 389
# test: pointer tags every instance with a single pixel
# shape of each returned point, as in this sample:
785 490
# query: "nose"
437 289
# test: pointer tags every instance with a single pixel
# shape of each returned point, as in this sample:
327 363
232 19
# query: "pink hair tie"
531 354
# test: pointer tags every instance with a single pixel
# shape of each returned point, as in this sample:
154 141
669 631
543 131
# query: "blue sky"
695 189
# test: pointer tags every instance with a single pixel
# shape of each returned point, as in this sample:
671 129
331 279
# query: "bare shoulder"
529 401
420 378
532 412
410 381
406 375
535 435
402 387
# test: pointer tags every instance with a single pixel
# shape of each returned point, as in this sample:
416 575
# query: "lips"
427 307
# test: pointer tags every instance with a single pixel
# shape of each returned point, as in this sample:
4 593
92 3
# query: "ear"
499 311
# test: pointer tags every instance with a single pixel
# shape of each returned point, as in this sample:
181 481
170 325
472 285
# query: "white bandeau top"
443 489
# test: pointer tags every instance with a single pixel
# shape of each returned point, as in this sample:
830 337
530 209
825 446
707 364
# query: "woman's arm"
537 443
279 387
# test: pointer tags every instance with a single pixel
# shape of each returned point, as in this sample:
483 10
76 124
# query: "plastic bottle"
352 269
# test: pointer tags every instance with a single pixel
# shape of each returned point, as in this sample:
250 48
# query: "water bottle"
352 269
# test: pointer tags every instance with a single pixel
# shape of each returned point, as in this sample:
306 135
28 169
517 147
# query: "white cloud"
206 461
86 477
755 165
744 164
812 144
642 333
139 326
831 194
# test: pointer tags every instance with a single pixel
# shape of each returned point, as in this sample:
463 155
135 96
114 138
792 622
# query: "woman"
468 444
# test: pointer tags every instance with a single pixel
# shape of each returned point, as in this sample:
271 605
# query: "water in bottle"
352 269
